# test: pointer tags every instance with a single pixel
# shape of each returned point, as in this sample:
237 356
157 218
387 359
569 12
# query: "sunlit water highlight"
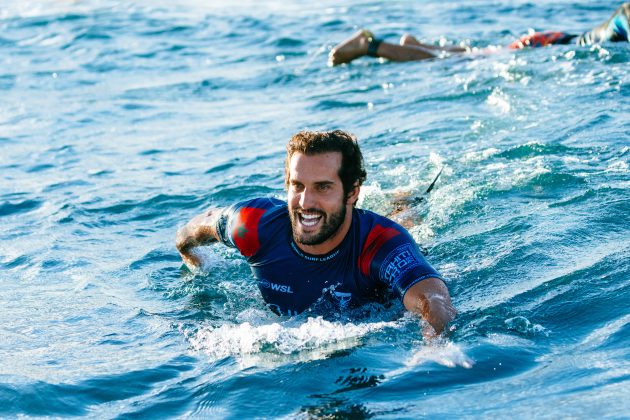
121 120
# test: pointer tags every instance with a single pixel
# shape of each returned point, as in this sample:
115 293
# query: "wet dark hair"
351 172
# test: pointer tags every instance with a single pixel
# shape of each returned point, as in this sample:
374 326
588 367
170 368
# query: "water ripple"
120 121
8 208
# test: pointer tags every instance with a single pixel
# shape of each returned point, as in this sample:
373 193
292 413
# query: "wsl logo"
282 288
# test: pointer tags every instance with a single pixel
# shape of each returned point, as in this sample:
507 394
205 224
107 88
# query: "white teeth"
309 220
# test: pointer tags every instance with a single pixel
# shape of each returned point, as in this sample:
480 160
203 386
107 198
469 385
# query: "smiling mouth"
309 220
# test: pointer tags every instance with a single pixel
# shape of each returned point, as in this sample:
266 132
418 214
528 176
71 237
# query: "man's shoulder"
257 208
264 203
250 221
379 234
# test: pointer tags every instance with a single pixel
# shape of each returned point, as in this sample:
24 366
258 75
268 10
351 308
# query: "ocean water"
120 120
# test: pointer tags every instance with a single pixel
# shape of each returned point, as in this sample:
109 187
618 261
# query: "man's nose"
307 199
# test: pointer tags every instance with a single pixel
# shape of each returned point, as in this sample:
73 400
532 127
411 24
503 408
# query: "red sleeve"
239 225
244 232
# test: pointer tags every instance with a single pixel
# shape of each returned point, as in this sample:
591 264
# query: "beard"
330 224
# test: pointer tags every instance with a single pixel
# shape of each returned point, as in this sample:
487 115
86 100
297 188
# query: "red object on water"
537 39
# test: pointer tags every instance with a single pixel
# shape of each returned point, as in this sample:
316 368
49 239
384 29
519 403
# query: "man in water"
318 245
615 29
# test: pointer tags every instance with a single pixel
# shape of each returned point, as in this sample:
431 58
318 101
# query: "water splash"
316 337
499 100
523 325
440 351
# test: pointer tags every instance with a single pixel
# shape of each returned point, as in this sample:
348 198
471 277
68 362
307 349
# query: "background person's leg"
410 40
359 44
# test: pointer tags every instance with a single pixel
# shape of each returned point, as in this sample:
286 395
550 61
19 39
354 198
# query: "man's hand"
185 242
430 299
199 231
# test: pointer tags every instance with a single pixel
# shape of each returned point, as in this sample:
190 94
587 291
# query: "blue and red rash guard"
376 256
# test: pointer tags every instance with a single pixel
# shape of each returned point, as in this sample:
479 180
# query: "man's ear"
353 195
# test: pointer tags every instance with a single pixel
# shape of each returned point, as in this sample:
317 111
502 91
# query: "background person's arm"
430 299
199 231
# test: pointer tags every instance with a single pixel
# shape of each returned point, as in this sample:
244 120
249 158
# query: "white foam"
524 326
373 197
448 199
508 70
315 335
499 100
449 355
31 8
397 171
618 166
442 352
599 337
436 159
422 233
478 156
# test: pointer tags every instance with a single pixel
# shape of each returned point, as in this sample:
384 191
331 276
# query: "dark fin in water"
434 181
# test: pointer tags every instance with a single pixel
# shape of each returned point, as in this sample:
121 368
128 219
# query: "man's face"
316 199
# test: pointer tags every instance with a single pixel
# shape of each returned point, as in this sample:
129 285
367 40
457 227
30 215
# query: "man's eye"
325 187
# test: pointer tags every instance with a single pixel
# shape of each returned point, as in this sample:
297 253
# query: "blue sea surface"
121 120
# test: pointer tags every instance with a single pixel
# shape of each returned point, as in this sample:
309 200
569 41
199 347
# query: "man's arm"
200 230
430 299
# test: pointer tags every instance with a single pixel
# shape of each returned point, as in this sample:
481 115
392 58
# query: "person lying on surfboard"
615 29
318 244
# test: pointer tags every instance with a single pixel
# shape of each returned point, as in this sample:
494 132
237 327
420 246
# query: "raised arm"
430 299
200 230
